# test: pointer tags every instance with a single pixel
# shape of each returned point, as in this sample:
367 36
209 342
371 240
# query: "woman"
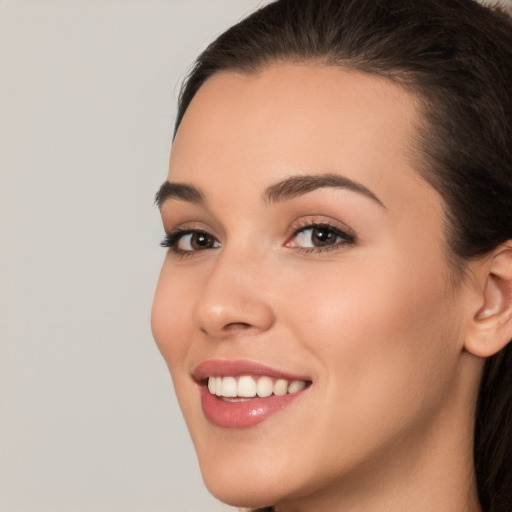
336 303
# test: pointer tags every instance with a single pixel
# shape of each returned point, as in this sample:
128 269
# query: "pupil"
201 241
322 236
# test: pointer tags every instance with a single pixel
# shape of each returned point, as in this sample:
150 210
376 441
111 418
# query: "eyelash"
172 239
305 225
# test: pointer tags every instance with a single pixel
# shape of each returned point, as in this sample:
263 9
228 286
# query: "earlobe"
491 327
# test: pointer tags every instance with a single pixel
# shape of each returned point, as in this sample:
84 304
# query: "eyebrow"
179 191
296 186
289 188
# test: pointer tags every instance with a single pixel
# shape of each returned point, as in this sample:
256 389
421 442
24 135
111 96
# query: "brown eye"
196 241
190 241
321 236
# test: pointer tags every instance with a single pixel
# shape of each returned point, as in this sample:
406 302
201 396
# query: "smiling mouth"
242 394
245 387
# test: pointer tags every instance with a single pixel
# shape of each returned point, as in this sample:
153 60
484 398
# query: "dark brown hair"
455 56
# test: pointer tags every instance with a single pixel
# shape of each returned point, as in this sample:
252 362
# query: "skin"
377 324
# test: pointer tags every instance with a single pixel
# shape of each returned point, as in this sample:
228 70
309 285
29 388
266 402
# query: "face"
306 266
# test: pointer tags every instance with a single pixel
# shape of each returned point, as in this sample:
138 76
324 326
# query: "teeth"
296 385
218 386
280 387
264 387
248 387
229 387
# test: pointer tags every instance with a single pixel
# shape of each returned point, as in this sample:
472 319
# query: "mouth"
240 394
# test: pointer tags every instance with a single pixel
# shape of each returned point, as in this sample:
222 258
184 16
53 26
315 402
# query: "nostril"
231 328
235 326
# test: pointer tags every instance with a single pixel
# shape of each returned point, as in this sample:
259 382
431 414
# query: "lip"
248 412
237 368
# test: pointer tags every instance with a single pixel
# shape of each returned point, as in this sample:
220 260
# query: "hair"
455 57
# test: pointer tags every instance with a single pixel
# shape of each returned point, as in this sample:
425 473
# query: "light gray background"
88 418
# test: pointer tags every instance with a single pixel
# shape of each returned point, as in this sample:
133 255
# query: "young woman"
335 305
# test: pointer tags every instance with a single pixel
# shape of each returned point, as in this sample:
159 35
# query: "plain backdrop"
88 417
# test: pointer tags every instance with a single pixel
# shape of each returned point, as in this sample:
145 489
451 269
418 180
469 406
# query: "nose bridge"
233 298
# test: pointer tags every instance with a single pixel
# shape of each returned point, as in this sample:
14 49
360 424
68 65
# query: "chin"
247 482
250 497
250 492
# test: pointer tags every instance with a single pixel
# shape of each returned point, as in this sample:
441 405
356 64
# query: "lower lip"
244 414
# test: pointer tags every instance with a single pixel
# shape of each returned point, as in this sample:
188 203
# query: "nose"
234 299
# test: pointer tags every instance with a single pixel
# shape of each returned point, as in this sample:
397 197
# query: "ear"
491 325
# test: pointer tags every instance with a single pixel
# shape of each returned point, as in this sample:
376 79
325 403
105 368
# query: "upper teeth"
248 387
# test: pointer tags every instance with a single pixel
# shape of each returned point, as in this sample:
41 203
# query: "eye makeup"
185 242
318 236
308 236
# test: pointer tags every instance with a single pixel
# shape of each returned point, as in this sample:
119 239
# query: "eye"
182 242
319 237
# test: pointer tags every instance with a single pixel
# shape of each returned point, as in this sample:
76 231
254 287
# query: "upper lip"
237 368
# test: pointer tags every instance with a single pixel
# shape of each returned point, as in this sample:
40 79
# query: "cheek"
355 305
171 316
386 340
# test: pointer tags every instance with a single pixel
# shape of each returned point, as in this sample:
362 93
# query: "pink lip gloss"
244 408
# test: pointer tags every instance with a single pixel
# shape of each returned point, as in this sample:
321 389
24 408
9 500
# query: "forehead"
255 128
